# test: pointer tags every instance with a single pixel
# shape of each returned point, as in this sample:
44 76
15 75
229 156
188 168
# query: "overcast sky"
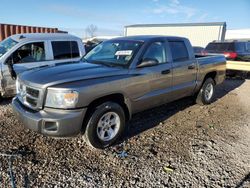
110 16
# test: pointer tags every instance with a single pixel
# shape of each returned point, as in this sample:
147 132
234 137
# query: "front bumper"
50 122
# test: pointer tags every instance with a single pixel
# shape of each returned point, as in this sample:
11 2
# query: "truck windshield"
6 45
113 53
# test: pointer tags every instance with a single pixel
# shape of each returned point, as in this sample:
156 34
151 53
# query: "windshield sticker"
124 52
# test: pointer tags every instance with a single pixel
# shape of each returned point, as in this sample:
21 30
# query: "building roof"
178 24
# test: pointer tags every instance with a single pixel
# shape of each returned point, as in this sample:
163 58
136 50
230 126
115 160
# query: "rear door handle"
191 67
165 71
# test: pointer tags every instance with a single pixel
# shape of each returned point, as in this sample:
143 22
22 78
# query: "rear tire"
105 125
206 93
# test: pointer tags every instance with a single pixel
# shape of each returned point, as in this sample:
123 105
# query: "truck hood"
68 72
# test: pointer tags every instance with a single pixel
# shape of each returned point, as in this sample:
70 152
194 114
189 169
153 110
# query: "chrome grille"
29 96
31 101
32 96
32 92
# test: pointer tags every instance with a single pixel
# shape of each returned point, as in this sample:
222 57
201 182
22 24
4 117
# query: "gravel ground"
175 145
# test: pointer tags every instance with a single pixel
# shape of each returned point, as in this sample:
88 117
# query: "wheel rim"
209 90
108 126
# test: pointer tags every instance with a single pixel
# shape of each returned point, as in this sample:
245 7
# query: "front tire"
206 93
105 125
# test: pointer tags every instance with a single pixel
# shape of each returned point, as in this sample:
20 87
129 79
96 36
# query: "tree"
91 30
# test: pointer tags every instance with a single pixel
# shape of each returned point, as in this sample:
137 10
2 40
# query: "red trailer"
7 30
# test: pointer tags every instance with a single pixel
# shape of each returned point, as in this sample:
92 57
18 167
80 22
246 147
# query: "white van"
27 51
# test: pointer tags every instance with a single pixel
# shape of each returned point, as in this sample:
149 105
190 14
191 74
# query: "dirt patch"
175 145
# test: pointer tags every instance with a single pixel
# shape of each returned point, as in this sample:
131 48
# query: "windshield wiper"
105 64
83 59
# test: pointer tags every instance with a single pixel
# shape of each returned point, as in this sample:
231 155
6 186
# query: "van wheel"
105 126
206 93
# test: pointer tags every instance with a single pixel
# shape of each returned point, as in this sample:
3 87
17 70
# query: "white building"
200 34
238 34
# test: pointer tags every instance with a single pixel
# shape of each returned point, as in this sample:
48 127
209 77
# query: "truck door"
157 78
184 69
27 56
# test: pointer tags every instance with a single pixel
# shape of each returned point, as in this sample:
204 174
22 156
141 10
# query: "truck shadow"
5 101
229 85
243 181
149 119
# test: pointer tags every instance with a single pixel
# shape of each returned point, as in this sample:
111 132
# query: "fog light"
50 126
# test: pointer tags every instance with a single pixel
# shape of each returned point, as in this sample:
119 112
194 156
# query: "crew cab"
22 52
119 77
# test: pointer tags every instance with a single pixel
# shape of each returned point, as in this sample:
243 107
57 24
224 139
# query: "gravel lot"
175 145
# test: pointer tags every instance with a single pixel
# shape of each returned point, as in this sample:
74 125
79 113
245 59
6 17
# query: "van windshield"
113 53
6 45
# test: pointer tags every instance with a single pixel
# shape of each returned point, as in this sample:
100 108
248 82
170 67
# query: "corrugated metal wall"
238 34
7 30
199 35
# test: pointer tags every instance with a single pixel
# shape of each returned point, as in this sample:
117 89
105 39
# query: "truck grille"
29 96
32 92
32 102
32 96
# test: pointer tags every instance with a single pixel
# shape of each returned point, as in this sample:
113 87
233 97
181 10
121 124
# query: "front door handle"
165 71
191 67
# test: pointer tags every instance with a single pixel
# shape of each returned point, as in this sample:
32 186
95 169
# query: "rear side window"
248 46
220 47
65 49
179 50
240 46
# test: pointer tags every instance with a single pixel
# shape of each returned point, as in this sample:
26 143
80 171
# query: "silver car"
22 52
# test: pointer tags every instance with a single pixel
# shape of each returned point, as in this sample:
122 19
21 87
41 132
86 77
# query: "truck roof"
232 40
43 36
145 38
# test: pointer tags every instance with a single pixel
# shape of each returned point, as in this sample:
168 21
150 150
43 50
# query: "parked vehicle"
198 50
118 78
91 43
89 46
22 52
237 50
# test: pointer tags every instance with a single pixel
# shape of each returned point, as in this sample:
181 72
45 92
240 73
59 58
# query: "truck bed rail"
238 65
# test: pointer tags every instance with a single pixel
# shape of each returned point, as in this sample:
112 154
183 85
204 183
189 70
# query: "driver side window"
156 51
31 52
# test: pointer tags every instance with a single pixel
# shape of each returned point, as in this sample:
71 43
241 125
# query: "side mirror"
148 62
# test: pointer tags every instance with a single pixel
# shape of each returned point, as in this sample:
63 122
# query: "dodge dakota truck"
98 95
22 52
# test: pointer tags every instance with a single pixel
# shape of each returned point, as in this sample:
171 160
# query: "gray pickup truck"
119 77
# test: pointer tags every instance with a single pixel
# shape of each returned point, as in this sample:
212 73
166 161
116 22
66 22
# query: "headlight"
17 86
20 88
61 99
